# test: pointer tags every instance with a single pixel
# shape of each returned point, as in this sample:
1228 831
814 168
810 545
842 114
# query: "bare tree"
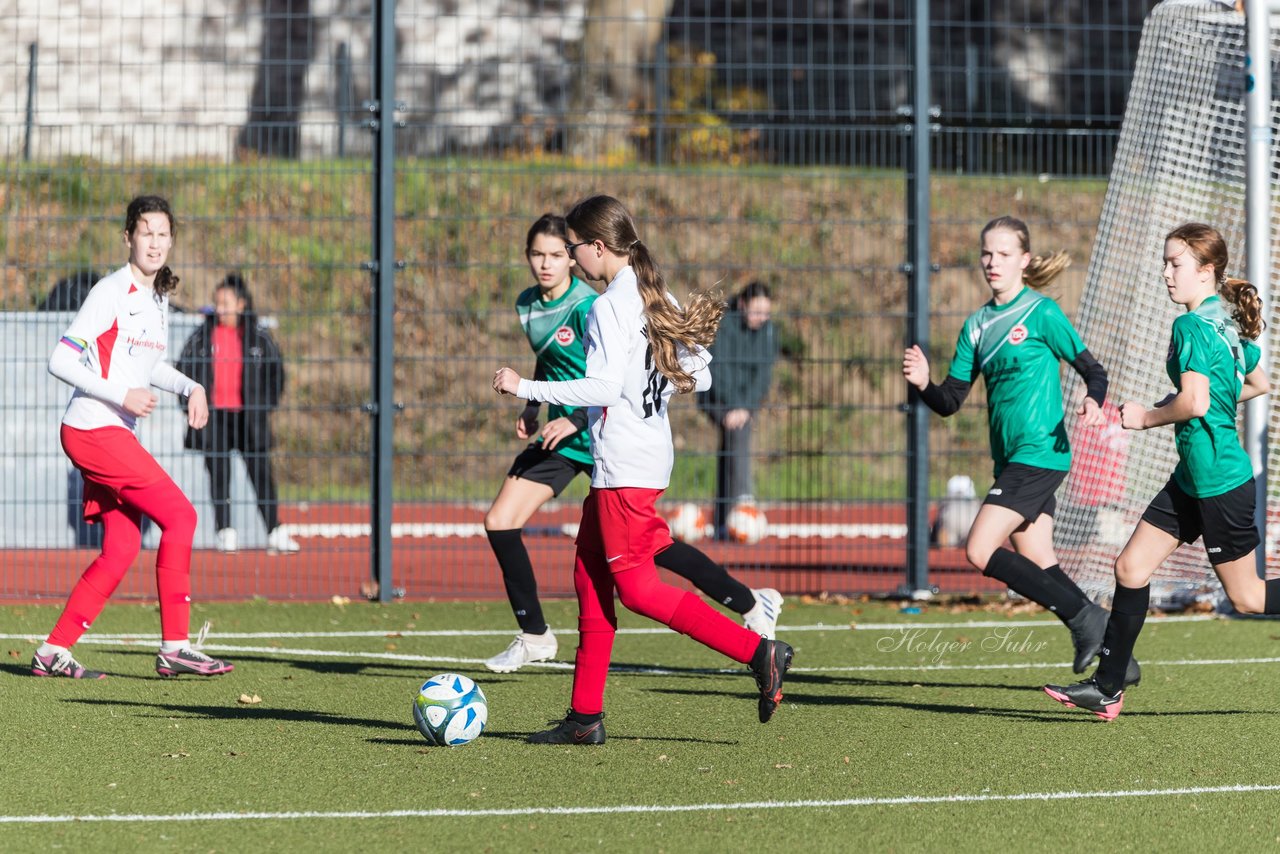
619 40
275 107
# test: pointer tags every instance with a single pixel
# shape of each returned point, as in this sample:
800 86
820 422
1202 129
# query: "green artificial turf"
876 721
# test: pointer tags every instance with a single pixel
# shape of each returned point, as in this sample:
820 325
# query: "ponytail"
165 282
1042 271
1247 306
669 325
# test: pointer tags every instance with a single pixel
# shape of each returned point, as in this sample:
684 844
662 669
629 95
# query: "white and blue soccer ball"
450 710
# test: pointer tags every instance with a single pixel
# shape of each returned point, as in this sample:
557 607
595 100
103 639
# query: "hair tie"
634 244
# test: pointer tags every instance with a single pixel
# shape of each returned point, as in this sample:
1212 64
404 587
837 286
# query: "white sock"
170 647
47 649
545 637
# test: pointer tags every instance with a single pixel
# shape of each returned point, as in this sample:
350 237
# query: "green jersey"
557 333
1016 348
1205 341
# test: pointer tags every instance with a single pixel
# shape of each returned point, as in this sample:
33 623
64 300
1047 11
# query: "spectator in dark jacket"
741 369
239 364
69 292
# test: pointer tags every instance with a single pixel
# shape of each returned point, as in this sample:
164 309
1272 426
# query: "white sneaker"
763 618
279 542
225 540
524 650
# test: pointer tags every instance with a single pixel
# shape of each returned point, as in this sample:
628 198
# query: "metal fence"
752 140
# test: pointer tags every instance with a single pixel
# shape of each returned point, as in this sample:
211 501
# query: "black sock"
1068 612
517 576
579 717
1272 602
1128 613
706 575
1024 577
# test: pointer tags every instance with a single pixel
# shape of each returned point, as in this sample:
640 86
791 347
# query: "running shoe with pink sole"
1087 695
190 661
62 664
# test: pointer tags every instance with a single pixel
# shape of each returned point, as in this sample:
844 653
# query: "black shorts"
539 465
1225 521
1026 490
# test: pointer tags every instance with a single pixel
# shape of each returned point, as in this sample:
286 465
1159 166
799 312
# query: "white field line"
377 655
660 630
615 809
419 530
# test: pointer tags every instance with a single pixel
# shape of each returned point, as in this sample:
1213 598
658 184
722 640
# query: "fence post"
917 268
1258 69
382 123
343 100
33 53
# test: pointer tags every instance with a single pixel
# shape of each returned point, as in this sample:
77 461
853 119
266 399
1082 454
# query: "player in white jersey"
641 348
113 353
553 314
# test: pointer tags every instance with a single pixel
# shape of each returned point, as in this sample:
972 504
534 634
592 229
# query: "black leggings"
225 433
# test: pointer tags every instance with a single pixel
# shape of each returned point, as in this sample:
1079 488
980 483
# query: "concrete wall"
121 82
38 485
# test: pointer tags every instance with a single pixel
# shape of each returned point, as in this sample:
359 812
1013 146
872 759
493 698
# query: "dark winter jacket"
741 366
261 387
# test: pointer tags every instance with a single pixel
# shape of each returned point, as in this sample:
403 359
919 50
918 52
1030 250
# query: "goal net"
1180 158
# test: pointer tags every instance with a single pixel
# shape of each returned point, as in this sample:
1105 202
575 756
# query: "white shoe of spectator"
226 541
279 542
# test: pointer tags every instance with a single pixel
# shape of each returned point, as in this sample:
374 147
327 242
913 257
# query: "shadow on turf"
661 670
24 670
238 712
819 679
524 737
331 667
1049 715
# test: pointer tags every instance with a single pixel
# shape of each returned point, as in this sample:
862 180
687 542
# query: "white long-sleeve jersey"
624 392
116 342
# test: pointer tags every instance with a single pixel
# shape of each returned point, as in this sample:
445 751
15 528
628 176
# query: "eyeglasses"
572 247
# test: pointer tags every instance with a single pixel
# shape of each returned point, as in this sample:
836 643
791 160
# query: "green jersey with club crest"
1016 347
557 333
1206 341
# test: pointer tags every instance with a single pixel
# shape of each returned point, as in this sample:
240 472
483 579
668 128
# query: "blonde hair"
667 325
1207 246
1043 269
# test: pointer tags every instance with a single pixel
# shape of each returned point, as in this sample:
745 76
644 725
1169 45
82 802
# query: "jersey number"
654 387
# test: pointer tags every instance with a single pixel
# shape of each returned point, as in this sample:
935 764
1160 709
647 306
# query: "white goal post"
1181 157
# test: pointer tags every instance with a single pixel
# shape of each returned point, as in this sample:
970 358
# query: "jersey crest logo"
1018 334
565 336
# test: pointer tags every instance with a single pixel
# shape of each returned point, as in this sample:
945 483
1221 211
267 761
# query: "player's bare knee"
498 521
1130 573
978 554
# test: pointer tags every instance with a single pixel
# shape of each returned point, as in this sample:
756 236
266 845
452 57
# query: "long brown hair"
165 281
605 219
1207 246
1042 270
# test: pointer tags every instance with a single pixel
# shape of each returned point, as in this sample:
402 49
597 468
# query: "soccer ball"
689 523
746 524
450 710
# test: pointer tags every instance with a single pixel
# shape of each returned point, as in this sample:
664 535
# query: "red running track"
333 563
